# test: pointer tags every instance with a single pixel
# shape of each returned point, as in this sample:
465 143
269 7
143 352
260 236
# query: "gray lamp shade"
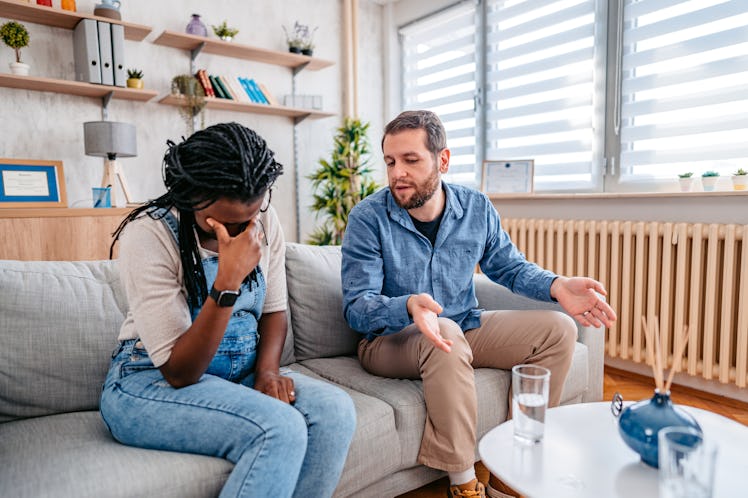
109 138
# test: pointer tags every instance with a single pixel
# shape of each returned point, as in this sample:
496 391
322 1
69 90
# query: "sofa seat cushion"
59 323
406 398
73 454
578 378
375 450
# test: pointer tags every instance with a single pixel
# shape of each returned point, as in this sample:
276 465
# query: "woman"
197 370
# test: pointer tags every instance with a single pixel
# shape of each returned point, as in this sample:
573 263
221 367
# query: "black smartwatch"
224 298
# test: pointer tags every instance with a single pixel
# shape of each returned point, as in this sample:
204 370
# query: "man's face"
413 172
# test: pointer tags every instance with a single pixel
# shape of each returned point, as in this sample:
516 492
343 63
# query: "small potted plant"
224 32
16 36
135 78
740 180
189 89
685 180
300 40
709 180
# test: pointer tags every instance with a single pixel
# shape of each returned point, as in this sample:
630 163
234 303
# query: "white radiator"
682 273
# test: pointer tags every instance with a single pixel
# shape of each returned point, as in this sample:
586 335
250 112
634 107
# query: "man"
409 255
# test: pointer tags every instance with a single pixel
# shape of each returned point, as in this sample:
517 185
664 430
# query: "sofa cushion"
73 454
406 398
315 299
59 323
375 438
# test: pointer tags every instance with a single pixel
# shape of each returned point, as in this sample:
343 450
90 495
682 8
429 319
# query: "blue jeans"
277 449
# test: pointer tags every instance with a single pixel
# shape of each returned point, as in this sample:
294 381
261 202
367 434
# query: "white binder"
105 53
86 51
118 54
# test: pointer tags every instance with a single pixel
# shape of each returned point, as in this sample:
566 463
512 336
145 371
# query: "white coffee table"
583 456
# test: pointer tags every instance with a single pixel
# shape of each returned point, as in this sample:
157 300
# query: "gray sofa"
58 325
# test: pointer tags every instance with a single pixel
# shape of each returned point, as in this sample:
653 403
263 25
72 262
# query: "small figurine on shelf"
224 32
68 5
196 26
46 3
16 36
135 78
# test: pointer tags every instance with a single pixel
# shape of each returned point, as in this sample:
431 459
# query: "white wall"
43 125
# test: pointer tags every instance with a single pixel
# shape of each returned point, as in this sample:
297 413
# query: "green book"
216 87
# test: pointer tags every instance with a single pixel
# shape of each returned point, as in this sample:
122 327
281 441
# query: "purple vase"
196 26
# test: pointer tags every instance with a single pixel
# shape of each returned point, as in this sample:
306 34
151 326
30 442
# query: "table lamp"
110 139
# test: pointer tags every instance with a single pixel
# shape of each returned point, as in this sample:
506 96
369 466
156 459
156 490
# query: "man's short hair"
436 136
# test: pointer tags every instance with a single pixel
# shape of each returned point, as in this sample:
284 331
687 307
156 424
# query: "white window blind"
684 91
545 89
439 74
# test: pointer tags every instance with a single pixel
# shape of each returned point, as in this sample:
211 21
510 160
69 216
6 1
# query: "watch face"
224 298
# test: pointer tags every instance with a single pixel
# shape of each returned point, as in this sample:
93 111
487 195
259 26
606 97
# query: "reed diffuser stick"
651 353
677 357
658 352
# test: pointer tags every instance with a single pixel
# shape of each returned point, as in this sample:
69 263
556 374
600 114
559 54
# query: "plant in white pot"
709 180
16 36
740 180
685 180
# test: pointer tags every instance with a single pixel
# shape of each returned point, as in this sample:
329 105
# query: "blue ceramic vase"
639 423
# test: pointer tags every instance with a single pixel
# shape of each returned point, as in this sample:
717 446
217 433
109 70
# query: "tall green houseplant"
341 182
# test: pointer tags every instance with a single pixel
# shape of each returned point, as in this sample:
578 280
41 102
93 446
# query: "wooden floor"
632 387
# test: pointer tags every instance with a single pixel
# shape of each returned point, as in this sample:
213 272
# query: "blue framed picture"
27 183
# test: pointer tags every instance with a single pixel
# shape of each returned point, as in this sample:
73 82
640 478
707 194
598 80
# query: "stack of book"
236 88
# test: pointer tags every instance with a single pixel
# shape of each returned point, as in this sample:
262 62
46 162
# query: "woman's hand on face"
237 256
275 385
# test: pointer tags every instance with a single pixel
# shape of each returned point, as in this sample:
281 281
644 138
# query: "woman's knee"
332 408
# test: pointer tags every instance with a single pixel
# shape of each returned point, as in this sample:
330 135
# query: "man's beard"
423 192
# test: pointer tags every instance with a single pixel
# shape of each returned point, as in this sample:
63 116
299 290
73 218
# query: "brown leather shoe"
474 489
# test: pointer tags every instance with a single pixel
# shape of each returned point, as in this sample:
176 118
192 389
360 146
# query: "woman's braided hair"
226 160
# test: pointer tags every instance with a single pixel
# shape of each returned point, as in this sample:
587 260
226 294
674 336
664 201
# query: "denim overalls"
277 449
237 353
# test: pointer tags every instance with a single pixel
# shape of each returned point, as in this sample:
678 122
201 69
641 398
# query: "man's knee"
564 330
460 349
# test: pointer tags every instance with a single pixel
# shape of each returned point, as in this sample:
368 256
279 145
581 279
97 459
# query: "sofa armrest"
492 296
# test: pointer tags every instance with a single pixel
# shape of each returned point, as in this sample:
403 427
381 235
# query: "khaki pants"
504 339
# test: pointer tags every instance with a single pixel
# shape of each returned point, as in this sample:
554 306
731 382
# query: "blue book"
246 87
258 92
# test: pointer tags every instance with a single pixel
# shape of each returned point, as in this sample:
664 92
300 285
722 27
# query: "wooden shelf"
62 212
230 49
233 105
51 16
74 87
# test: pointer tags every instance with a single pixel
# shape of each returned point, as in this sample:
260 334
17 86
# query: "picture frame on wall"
514 176
31 183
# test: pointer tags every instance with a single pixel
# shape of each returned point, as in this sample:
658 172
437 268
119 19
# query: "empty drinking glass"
686 462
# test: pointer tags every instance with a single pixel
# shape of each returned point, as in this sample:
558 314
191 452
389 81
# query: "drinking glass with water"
530 385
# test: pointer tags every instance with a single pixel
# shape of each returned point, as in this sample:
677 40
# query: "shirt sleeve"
273 263
362 273
503 263
151 272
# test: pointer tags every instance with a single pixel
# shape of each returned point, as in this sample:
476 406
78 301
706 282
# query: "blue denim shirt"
386 260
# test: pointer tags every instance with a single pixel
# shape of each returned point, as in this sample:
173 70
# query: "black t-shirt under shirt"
429 229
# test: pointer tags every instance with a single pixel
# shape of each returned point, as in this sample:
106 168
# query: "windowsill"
617 195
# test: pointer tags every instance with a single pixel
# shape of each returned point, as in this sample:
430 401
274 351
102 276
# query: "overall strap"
168 218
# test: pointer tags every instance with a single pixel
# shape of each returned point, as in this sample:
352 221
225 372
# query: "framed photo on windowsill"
513 176
30 183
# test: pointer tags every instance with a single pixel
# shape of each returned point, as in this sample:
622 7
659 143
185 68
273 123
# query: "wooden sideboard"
58 234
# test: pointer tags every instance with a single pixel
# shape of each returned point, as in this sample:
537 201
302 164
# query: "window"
439 74
684 97
616 95
545 91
